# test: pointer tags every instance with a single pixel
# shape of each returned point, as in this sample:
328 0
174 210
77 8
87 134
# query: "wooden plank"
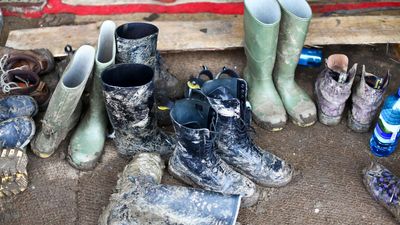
178 36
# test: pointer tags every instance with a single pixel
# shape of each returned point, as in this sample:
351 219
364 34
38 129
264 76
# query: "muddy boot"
296 16
140 193
39 61
384 187
228 98
16 106
128 91
87 142
367 98
16 132
261 38
64 107
195 161
333 88
14 177
143 38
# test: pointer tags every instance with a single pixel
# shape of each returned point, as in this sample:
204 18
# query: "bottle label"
386 133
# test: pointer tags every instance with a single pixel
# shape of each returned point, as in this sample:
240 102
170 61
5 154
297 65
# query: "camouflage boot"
87 142
228 98
384 187
139 193
128 92
296 16
195 161
261 37
143 38
333 88
366 98
63 111
16 106
14 177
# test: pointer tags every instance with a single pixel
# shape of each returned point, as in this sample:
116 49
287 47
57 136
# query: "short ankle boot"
228 98
64 108
128 91
366 99
17 105
333 88
195 161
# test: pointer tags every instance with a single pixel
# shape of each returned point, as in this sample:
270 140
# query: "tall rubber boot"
195 161
64 108
87 142
141 199
137 43
296 16
128 92
228 98
366 99
261 38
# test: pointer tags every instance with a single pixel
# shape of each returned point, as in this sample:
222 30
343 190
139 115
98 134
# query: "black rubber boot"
227 97
128 92
141 199
195 161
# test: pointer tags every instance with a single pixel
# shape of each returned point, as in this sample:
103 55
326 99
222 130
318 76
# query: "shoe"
16 132
16 106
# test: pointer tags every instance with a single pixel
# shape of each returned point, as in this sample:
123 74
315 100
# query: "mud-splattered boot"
14 177
296 16
137 43
366 99
87 142
16 106
384 187
333 88
128 92
261 38
195 161
228 98
64 108
16 132
140 193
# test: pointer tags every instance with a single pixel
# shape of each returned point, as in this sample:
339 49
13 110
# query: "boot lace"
5 83
243 130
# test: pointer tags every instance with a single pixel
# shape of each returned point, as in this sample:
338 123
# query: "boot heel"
356 126
175 174
328 120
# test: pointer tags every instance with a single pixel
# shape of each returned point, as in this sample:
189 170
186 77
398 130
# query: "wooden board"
178 36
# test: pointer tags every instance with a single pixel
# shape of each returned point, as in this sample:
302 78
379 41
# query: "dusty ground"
327 187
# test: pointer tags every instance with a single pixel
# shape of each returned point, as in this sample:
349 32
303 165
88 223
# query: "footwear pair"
334 86
214 149
275 31
16 130
384 187
20 70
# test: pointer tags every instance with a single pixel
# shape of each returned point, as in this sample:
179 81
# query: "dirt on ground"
327 187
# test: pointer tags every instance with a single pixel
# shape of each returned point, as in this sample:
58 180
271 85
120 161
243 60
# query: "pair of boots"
16 130
214 149
20 71
142 199
275 31
334 86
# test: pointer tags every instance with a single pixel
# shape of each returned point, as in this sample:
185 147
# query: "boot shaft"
137 43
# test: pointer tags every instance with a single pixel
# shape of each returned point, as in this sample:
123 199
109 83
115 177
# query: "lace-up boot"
384 187
128 91
195 161
228 98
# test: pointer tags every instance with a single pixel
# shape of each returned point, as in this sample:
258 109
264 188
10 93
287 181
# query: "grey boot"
195 161
228 98
128 92
63 111
137 43
366 98
333 88
141 199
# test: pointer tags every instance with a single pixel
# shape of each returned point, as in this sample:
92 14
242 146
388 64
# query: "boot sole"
328 120
268 126
356 126
13 174
90 165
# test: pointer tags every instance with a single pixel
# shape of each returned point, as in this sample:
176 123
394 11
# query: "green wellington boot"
296 16
63 111
87 142
261 38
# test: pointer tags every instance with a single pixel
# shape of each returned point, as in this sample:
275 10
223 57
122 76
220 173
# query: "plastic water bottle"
386 133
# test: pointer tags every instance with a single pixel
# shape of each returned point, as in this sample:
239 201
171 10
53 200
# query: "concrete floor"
327 187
